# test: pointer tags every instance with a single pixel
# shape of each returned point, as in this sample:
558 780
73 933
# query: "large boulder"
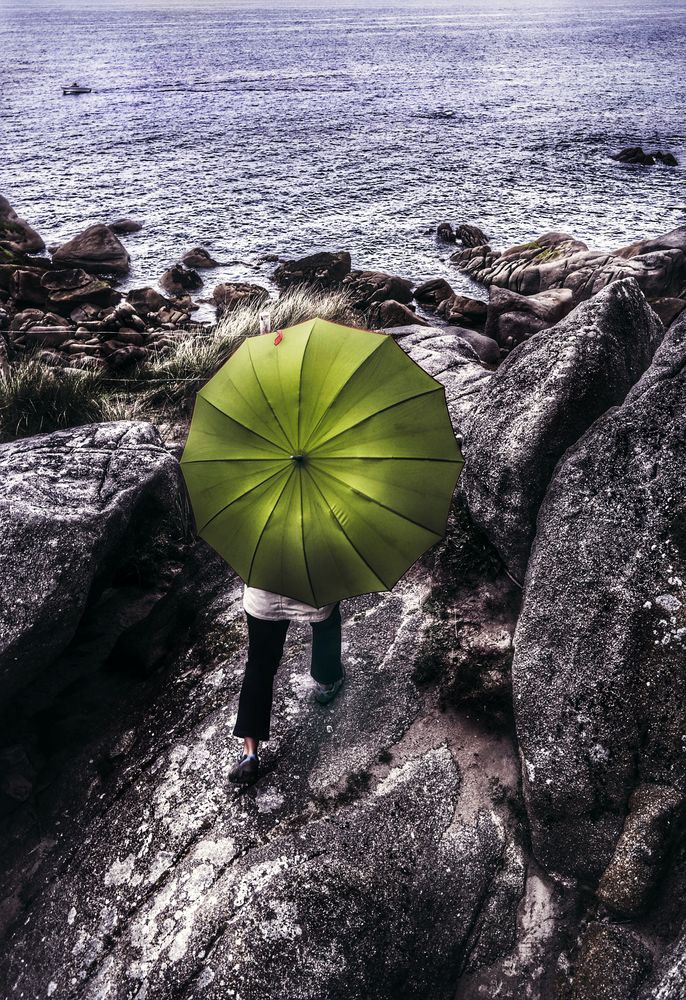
541 400
675 239
95 250
557 260
323 270
16 234
599 684
513 318
72 502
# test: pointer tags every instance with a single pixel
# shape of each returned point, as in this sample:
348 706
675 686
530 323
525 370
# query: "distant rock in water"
598 673
540 401
179 279
470 236
323 270
635 154
15 233
445 232
95 250
199 257
124 226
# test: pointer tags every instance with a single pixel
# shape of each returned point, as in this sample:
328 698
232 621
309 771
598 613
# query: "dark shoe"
246 770
324 693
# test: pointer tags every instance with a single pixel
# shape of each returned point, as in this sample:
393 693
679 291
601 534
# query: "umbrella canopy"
321 462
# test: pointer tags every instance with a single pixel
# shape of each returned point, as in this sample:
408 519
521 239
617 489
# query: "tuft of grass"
175 377
35 398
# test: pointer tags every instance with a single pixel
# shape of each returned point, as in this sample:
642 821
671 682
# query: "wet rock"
599 686
229 295
486 349
147 300
557 260
612 964
384 315
121 227
640 855
470 236
179 279
513 318
72 502
15 233
635 154
445 232
71 287
431 293
540 401
198 257
323 270
368 288
95 250
670 976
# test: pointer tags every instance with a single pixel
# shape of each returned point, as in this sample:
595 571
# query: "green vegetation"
36 398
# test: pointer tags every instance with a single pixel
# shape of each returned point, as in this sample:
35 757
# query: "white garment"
274 607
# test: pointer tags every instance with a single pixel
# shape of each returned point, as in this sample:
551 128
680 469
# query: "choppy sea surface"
287 129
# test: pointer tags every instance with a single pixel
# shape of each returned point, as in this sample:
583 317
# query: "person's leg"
326 649
265 648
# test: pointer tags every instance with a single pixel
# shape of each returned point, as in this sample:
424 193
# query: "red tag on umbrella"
278 338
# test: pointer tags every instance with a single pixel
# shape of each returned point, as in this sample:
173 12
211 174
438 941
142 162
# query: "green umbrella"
321 462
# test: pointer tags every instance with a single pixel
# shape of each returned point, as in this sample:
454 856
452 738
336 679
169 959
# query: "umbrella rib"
384 458
349 539
302 533
378 503
341 391
245 426
240 497
264 526
300 390
384 409
266 399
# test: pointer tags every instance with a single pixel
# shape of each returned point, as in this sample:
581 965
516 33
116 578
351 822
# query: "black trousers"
265 647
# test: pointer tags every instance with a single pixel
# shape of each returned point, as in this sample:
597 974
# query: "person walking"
269 616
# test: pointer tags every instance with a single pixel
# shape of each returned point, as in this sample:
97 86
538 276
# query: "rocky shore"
495 805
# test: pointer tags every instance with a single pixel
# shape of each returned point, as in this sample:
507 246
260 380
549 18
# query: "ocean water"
289 128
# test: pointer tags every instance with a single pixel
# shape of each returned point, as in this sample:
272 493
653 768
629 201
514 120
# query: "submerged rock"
123 226
599 685
540 401
635 154
96 249
72 503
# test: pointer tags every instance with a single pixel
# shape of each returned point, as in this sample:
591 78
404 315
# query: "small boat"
75 88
